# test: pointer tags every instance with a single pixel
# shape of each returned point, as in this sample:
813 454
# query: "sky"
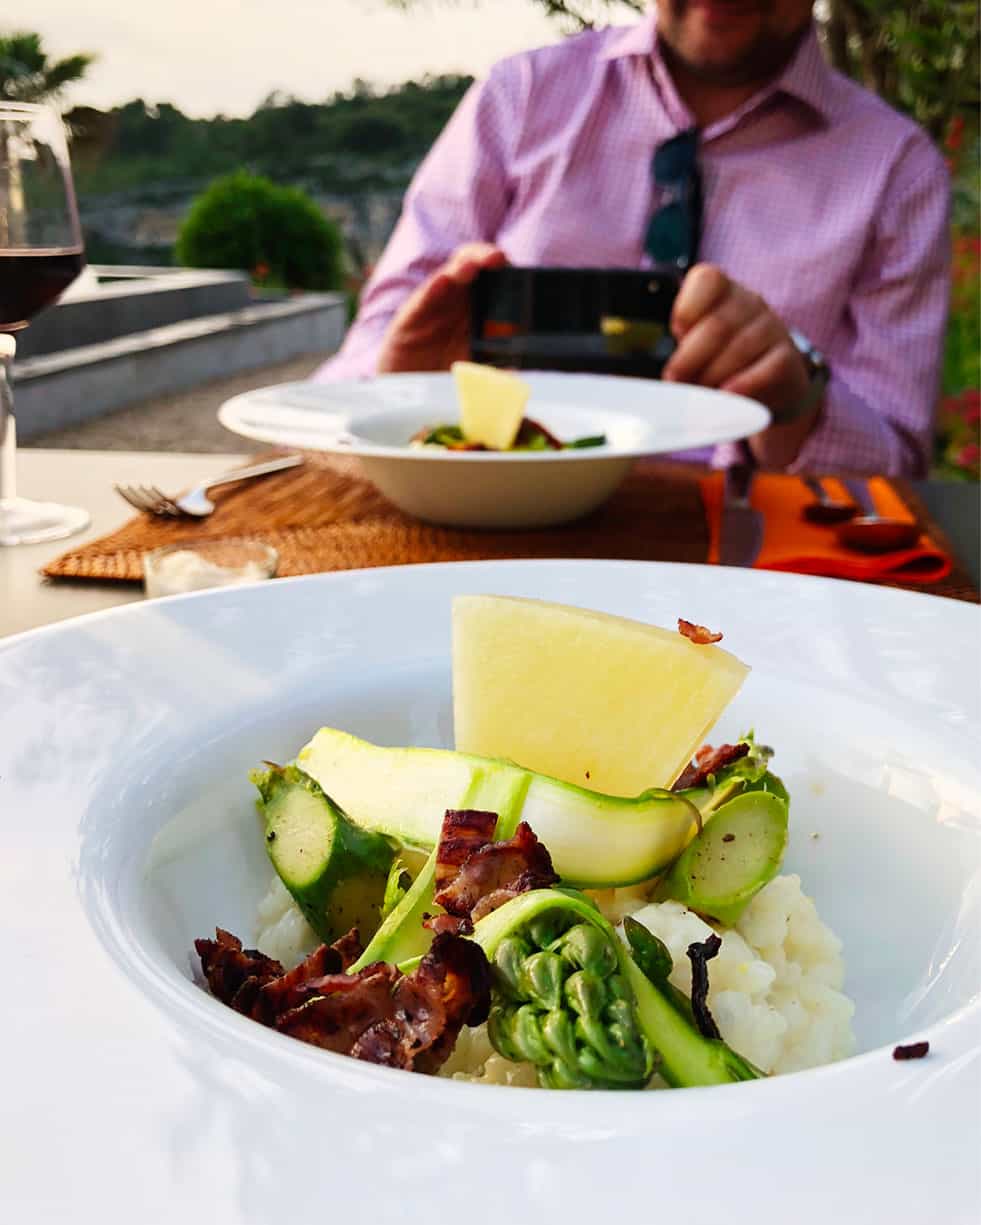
211 56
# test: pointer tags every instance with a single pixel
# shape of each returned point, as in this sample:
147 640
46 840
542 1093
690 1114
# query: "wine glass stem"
8 433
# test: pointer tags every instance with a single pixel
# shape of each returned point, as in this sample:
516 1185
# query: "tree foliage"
276 233
286 138
28 74
921 56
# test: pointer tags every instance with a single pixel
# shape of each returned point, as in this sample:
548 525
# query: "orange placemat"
791 542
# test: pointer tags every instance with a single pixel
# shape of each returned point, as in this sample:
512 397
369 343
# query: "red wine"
32 279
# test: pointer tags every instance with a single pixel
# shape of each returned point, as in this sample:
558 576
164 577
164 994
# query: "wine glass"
40 255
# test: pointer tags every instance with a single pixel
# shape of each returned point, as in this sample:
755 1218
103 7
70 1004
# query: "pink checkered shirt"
817 196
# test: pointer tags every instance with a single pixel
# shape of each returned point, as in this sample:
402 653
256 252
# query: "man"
825 217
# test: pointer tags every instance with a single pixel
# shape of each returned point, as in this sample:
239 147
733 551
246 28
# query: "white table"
85 478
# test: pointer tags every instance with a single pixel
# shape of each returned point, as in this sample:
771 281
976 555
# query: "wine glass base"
26 522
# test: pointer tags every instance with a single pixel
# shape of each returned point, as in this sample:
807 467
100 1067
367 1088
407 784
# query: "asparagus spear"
569 998
740 850
560 996
687 1057
336 871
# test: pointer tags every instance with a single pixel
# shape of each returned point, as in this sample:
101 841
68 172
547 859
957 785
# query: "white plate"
374 420
129 1093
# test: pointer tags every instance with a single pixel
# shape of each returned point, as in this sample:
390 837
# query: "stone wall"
139 230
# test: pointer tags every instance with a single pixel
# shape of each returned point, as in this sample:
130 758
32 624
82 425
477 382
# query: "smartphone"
597 320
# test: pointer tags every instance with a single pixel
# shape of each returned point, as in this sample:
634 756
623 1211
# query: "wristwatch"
819 374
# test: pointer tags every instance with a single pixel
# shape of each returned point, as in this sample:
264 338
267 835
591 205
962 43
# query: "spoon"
826 509
872 532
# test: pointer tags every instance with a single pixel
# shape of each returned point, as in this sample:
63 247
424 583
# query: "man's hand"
432 329
729 338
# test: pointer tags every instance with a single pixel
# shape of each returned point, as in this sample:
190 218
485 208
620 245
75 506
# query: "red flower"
968 456
955 134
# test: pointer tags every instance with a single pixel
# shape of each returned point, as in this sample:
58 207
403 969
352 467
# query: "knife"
741 531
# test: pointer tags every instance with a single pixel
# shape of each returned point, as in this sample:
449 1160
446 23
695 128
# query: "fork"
195 504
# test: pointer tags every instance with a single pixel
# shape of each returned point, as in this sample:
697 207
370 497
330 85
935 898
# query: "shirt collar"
638 39
807 77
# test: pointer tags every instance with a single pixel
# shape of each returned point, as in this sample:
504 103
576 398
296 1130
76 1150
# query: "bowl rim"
345 440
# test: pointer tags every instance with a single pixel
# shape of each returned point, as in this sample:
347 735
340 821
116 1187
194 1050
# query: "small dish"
197 565
375 419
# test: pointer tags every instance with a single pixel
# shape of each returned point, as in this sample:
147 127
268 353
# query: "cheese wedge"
604 702
492 404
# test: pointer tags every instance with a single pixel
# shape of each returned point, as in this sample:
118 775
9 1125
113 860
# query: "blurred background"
277 142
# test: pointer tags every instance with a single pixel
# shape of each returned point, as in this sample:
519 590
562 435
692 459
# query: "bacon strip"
709 761
493 873
382 1043
915 1050
256 985
379 1015
697 633
450 988
235 975
409 1021
440 924
340 1007
290 989
464 831
349 948
529 428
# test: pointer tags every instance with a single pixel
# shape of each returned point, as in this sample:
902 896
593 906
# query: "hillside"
138 166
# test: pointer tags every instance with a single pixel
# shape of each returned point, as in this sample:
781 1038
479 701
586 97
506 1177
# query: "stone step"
110 300
79 384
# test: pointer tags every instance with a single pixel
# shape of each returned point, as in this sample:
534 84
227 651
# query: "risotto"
775 987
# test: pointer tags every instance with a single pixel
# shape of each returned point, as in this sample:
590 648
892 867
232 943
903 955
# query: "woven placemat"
326 516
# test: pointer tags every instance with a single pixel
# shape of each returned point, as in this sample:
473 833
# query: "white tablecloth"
85 478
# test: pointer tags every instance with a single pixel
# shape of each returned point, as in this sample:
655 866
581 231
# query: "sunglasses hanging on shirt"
674 230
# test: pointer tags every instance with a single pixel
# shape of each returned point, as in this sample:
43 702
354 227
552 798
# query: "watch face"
816 363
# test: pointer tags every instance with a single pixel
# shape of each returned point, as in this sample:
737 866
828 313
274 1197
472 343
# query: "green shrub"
277 234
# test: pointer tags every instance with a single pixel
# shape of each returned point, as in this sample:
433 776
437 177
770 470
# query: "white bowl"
129 828
375 419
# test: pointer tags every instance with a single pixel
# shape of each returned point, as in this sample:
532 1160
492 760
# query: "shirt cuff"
850 436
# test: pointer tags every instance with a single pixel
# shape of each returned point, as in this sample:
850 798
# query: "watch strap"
819 375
